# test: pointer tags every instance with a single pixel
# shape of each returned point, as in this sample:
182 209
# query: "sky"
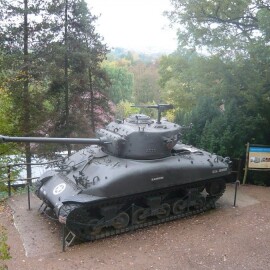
134 24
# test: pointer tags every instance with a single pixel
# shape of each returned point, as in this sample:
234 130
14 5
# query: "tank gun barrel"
160 107
98 141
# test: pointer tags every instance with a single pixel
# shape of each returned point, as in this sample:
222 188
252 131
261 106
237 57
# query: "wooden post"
246 165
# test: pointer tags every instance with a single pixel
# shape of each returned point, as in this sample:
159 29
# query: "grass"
14 191
4 248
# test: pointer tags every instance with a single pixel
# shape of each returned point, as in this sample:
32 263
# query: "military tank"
136 173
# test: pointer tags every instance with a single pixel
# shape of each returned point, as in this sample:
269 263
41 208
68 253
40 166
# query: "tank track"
77 220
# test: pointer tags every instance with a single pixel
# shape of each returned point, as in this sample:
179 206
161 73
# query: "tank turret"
141 137
137 137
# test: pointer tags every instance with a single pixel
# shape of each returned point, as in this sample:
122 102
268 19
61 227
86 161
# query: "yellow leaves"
4 98
5 105
170 115
124 109
180 94
18 77
117 63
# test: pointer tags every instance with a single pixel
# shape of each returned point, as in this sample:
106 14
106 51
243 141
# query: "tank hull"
96 186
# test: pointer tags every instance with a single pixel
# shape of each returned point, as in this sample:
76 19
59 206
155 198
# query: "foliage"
19 65
19 25
226 26
51 69
124 109
221 83
8 122
260 178
6 160
121 81
186 76
75 52
226 100
8 125
132 57
146 87
4 248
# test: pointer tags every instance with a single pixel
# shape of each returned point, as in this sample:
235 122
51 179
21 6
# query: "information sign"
259 157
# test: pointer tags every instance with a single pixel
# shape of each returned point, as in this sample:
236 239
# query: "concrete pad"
242 199
39 234
42 236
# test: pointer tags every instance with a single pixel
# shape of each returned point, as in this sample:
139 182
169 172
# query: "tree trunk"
92 112
66 79
26 97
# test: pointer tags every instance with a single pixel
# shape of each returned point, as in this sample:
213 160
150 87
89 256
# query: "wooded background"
58 77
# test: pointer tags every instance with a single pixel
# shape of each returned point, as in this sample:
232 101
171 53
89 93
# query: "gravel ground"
223 238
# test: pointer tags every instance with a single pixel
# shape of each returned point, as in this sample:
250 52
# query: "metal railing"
28 181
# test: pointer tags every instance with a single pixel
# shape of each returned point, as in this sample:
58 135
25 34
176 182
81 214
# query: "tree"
18 35
53 55
7 126
125 109
145 71
227 101
221 25
186 77
121 82
75 53
229 66
146 87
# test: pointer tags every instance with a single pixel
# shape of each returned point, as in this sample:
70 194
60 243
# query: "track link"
77 220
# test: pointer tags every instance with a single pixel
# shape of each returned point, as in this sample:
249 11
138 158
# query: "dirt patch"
224 238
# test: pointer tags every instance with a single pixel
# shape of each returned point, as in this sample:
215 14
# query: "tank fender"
46 176
81 198
63 208
42 180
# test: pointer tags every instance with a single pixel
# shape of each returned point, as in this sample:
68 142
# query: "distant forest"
58 77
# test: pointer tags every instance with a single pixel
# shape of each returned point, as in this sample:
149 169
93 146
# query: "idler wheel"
179 207
138 216
165 210
121 221
215 188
